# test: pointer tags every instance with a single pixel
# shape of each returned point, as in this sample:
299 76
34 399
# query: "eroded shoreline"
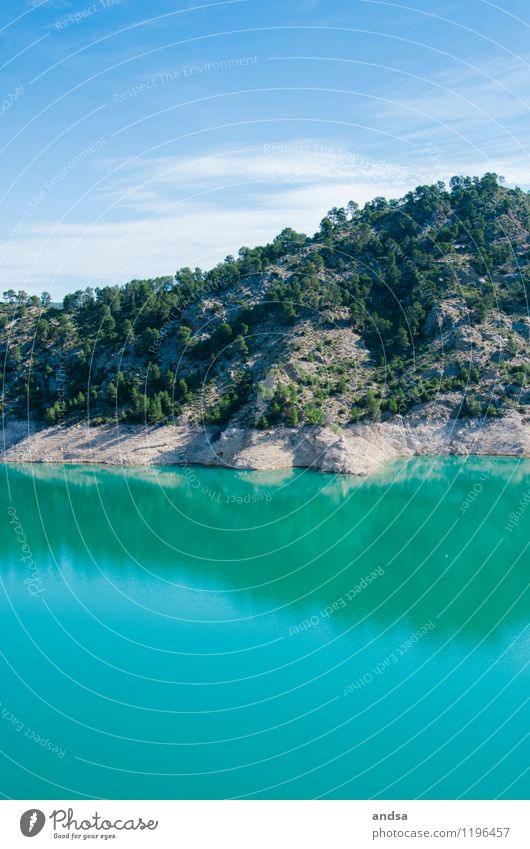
359 449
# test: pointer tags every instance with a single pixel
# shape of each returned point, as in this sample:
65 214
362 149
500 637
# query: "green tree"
224 334
112 393
373 405
240 346
108 326
402 340
471 407
155 412
183 336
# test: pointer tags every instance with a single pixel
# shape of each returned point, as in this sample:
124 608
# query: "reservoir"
209 633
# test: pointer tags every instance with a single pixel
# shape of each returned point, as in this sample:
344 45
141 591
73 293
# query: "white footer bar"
266 824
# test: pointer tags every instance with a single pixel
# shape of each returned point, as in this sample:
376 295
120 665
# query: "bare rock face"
467 338
359 449
445 316
433 321
522 327
14 432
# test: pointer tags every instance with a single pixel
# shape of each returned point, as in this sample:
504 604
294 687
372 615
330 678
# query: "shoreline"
359 449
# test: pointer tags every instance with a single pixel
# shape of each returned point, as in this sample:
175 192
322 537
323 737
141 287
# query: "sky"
137 138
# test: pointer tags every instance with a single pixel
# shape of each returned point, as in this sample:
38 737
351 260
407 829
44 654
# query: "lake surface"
204 633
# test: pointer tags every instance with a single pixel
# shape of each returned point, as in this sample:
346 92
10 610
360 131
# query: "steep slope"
414 308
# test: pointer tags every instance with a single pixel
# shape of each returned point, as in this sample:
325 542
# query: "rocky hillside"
415 308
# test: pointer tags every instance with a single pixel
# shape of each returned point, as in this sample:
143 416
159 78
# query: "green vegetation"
199 344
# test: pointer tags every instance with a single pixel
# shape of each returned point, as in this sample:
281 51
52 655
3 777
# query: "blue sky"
139 137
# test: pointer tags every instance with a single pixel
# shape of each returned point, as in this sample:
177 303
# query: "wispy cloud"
481 105
149 184
157 214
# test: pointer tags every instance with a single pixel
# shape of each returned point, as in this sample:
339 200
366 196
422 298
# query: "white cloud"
146 184
159 214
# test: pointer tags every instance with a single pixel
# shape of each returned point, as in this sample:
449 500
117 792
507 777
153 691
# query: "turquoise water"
200 633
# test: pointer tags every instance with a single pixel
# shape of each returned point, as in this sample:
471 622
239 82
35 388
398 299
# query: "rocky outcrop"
357 450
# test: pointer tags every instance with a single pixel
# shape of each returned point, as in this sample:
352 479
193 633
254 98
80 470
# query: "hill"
413 309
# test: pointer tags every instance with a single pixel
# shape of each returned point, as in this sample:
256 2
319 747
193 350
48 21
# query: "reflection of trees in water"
296 540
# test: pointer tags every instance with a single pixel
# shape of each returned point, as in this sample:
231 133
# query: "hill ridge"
416 307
